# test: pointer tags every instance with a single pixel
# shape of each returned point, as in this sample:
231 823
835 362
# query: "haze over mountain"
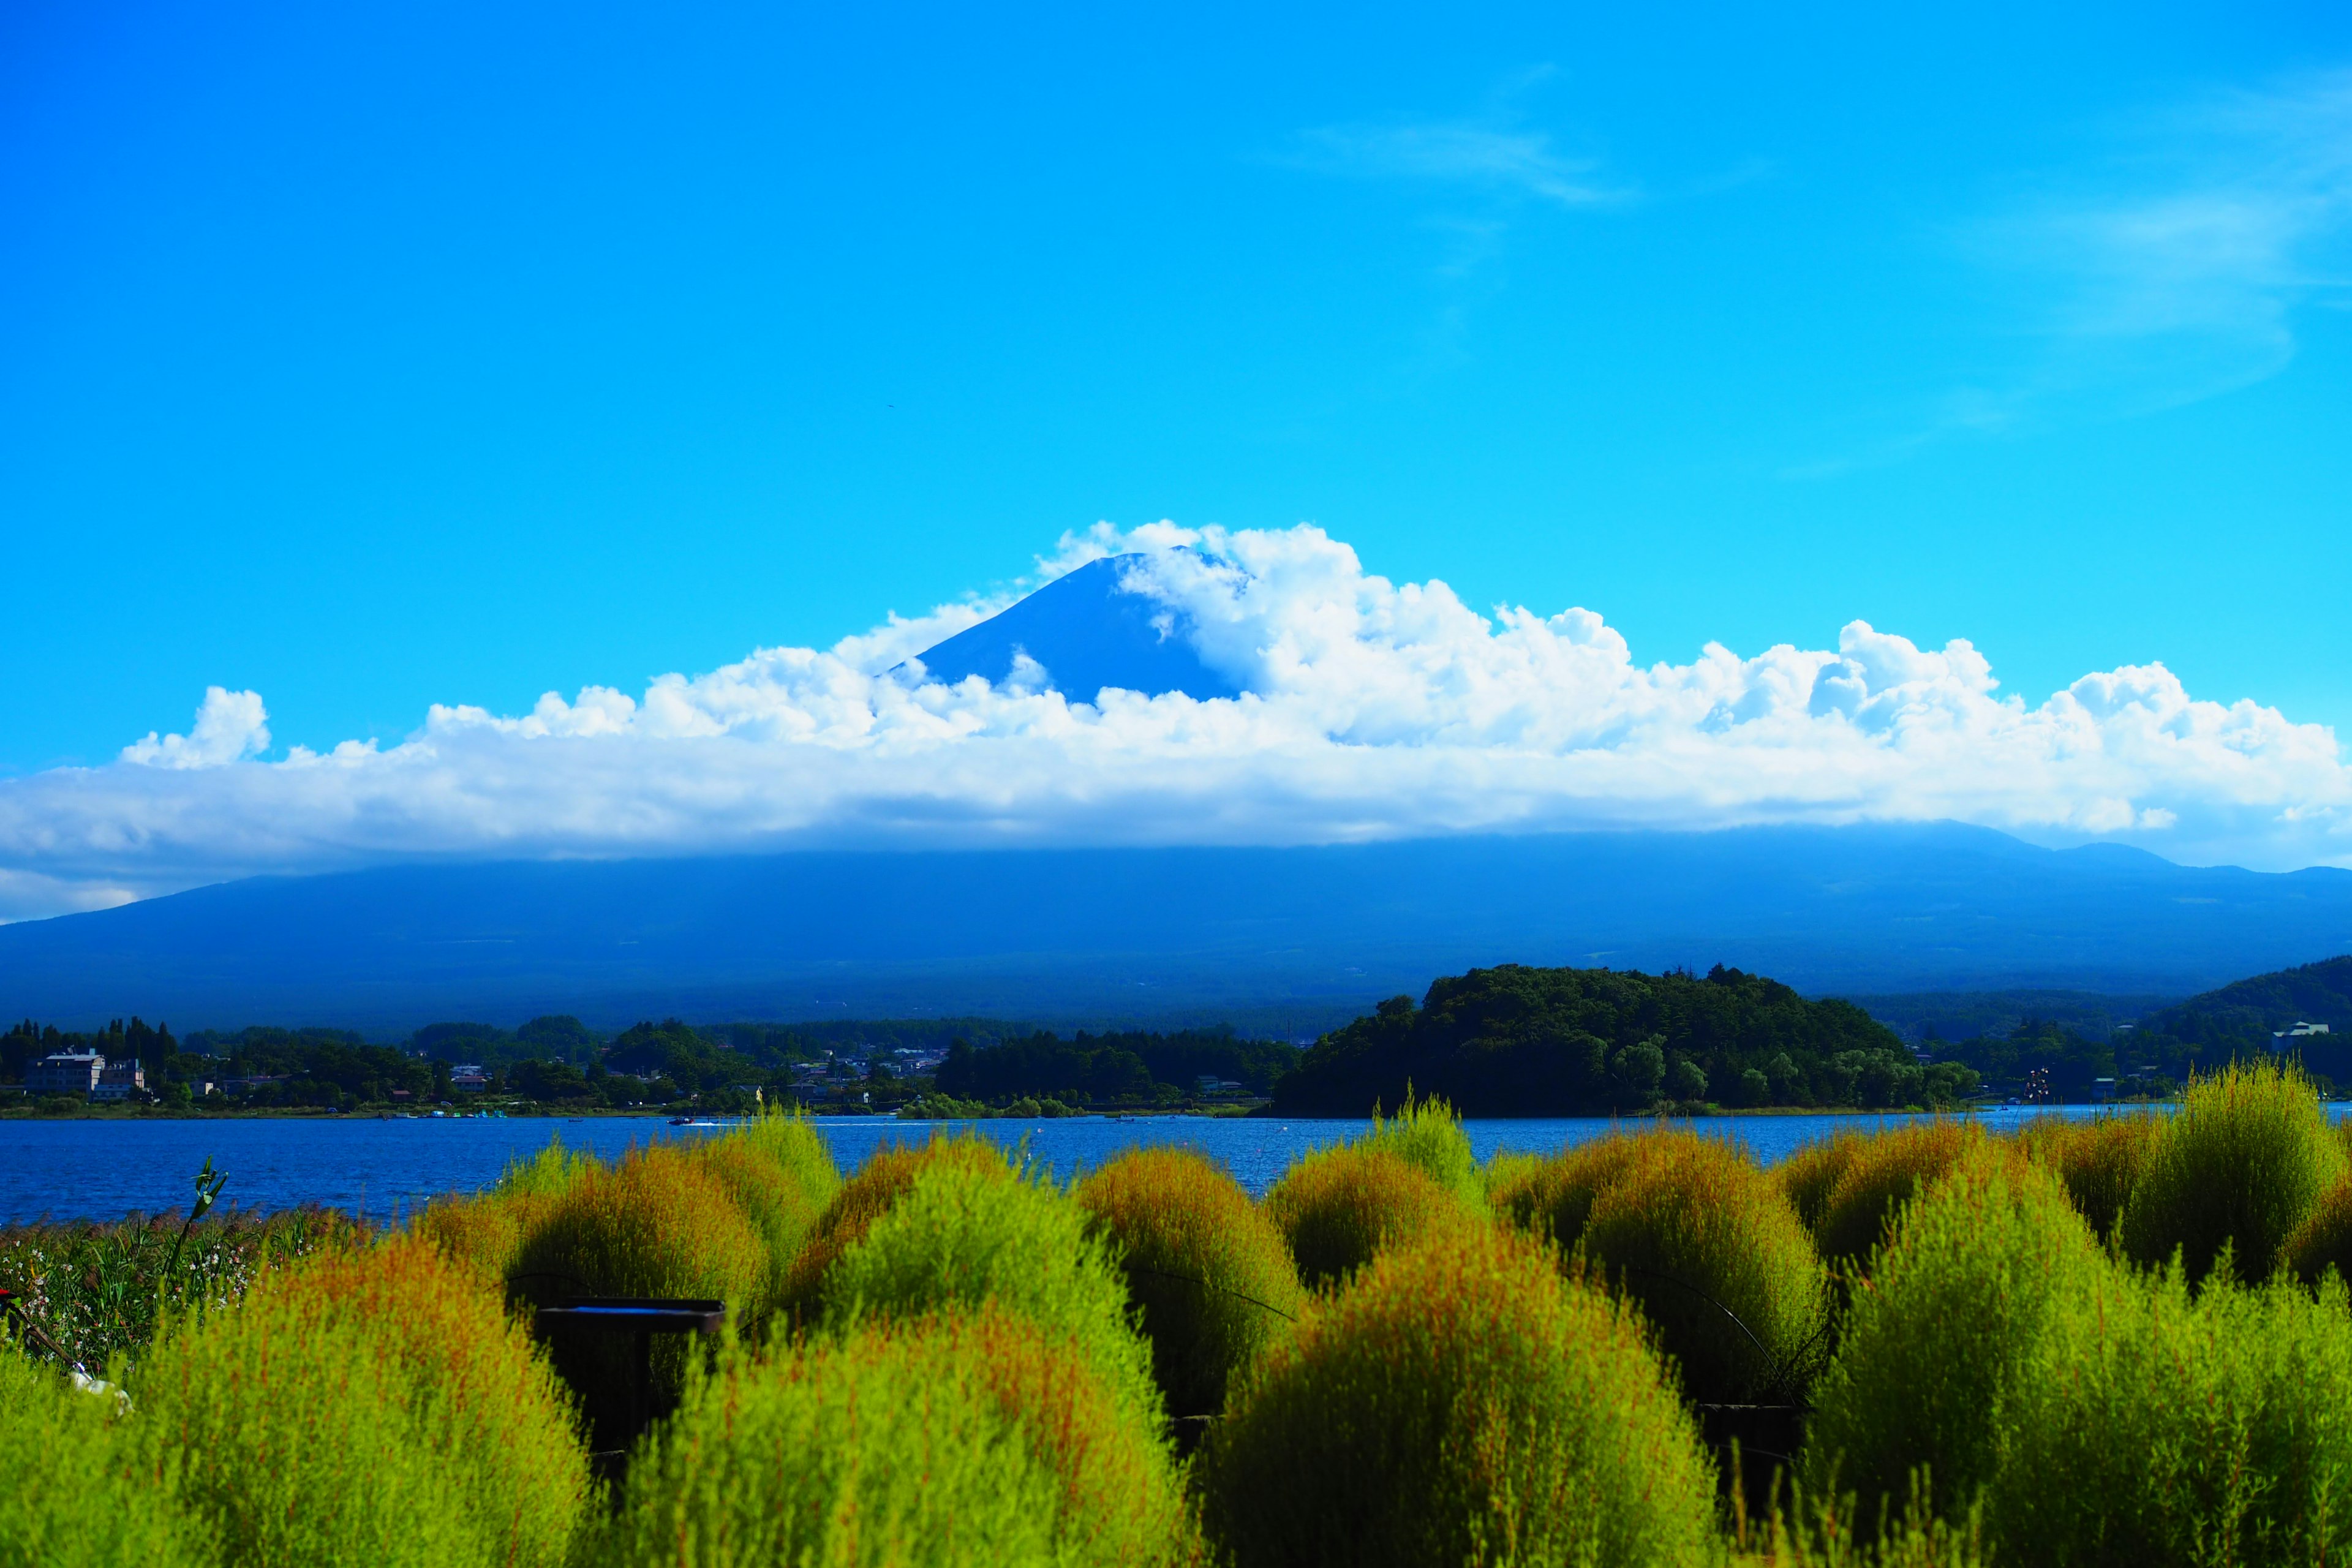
1286 940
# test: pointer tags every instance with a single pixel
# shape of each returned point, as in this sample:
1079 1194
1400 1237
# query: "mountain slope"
1086 631
1288 941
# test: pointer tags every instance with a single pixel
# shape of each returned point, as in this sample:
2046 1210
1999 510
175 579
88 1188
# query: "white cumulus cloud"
229 725
1371 709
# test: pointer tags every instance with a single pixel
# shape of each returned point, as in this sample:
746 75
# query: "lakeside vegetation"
1506 1041
2121 1339
1517 1041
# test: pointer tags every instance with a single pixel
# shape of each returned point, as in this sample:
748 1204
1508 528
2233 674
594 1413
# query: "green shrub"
1208 1275
548 1174
1880 1174
377 1409
2241 1165
887 1176
484 1234
949 1440
1812 1174
1812 1533
1551 1199
2323 1240
1958 1329
1339 1207
1427 1135
782 1175
661 1223
1693 1229
77 1490
963 1235
2211 1429
2099 1160
1459 1402
1507 1171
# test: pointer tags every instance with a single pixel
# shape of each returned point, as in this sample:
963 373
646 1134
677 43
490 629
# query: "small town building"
65 1072
119 1080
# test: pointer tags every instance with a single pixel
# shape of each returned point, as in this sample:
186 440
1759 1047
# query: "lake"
104 1170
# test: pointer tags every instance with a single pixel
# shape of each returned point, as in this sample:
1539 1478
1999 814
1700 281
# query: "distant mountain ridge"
1286 942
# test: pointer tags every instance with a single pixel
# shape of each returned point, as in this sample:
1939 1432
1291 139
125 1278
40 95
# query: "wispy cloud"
2169 269
1483 156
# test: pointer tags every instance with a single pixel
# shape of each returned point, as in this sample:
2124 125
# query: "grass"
1459 1402
101 1291
2237 1170
1209 1278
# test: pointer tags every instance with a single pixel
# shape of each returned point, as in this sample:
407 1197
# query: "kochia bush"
1551 1199
952 1439
1694 1233
379 1407
1459 1402
1338 1208
2098 1159
1955 1335
962 1237
1879 1175
2240 1165
1208 1275
80 1491
1427 1135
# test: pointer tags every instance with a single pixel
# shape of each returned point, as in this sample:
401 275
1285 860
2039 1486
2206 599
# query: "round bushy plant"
2212 1427
950 1439
661 1223
1208 1275
782 1175
887 1175
1811 1174
1959 1330
1694 1233
1339 1207
1551 1199
1427 1135
963 1235
1879 1175
2323 1240
379 1407
484 1234
80 1490
2099 1161
2240 1165
1459 1402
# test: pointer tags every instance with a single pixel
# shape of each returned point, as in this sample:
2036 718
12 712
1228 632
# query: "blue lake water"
104 1170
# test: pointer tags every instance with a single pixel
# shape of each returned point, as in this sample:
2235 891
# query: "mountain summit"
1087 630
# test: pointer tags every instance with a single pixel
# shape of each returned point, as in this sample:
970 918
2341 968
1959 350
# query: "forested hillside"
1518 1041
2247 1016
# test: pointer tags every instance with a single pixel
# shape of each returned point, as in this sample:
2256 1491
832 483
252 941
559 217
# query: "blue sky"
370 357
